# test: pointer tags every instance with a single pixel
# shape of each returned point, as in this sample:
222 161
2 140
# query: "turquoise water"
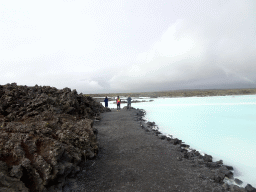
221 126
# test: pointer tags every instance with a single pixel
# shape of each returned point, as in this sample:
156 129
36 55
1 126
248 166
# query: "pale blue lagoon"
221 126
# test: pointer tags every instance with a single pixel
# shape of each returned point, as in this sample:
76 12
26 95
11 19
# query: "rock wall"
45 133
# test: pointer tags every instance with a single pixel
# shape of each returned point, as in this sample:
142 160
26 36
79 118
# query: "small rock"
238 181
161 136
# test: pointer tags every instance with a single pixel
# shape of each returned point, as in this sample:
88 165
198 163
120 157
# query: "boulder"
226 172
207 158
249 188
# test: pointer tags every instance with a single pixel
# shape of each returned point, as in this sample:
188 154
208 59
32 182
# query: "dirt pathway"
131 159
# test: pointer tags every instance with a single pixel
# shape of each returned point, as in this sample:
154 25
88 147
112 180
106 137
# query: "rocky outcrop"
45 133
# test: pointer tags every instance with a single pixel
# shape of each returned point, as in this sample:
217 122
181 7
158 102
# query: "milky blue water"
221 126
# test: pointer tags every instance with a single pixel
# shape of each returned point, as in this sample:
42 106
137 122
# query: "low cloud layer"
213 50
130 46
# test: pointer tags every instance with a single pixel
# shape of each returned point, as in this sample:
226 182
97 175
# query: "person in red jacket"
118 102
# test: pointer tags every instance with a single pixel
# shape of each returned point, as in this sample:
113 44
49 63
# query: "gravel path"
131 159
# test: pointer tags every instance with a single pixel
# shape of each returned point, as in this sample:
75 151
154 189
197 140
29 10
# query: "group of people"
118 102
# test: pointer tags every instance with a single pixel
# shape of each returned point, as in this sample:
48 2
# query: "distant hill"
183 93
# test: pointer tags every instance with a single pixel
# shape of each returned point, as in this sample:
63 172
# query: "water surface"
223 126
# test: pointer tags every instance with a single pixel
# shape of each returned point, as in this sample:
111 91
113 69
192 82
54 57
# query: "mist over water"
221 126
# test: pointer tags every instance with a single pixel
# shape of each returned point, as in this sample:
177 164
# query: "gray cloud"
122 46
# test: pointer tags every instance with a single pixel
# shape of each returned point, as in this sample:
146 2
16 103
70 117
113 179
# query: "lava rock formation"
44 134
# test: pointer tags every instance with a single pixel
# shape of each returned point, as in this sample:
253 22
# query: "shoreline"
230 158
189 153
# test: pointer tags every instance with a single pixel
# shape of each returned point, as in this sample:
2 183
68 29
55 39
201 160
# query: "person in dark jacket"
106 101
129 102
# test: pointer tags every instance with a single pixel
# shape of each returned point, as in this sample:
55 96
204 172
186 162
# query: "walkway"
131 160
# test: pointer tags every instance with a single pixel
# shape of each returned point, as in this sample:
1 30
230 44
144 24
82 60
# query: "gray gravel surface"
131 159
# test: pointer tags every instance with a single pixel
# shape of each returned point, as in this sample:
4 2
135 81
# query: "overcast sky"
99 46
